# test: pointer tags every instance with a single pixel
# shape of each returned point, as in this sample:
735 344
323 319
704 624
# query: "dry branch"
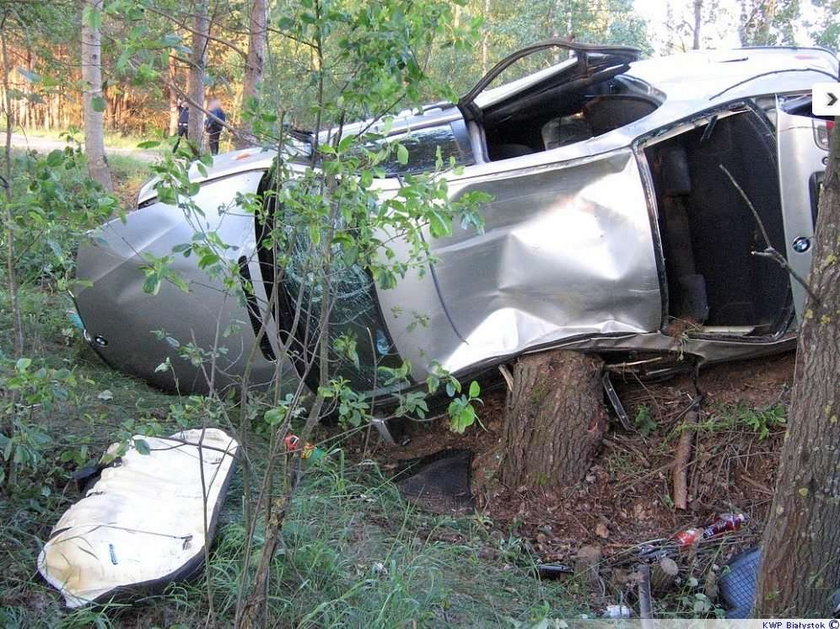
682 459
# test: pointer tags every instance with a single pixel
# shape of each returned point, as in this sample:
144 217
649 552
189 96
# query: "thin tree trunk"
173 94
257 46
743 27
801 566
485 39
554 420
698 21
8 222
92 98
195 79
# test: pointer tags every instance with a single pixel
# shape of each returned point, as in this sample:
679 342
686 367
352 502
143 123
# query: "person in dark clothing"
183 123
214 125
183 119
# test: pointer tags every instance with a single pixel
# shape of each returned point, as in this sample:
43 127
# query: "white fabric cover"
142 523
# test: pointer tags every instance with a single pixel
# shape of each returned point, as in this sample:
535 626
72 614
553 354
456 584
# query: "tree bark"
7 233
92 98
698 21
195 79
173 93
554 420
257 46
801 565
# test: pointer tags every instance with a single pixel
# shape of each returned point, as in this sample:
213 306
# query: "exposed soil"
625 500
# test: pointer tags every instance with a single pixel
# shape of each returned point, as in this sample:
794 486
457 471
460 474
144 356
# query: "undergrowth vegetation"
353 552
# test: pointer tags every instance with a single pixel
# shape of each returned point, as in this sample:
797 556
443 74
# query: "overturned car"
628 197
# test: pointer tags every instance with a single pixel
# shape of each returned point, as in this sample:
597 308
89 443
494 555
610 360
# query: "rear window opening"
709 235
574 111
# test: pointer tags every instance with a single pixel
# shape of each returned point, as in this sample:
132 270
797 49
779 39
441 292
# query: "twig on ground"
682 459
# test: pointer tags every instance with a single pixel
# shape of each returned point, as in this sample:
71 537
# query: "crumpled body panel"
567 250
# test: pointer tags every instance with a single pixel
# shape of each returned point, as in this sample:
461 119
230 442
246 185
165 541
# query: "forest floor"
355 549
624 506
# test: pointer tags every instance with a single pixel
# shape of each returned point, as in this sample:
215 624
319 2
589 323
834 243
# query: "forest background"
149 47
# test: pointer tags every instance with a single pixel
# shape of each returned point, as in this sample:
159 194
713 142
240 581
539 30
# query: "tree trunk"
554 420
92 99
801 565
7 233
195 79
698 21
257 46
173 93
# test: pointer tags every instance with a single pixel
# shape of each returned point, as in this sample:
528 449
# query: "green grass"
128 173
353 552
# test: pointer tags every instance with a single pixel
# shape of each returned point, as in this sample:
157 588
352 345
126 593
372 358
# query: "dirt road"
45 145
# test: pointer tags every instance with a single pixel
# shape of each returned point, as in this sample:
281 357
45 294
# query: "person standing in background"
214 124
183 122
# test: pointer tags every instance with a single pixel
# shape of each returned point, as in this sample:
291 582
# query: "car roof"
728 74
716 75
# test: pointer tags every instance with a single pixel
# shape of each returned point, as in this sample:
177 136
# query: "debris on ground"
625 507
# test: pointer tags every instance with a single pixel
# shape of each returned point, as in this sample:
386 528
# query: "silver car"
619 224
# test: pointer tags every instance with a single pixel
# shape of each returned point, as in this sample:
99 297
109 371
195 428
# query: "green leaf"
475 389
55 158
461 416
171 40
402 154
346 143
274 416
23 364
142 447
98 104
208 259
179 282
151 284
149 144
439 225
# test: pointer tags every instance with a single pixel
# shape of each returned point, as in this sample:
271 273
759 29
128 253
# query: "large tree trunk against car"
554 420
257 46
801 563
93 102
195 78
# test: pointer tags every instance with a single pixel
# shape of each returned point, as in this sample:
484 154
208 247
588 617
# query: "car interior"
550 116
712 239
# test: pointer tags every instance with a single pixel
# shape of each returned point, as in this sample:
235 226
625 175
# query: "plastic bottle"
725 522
688 537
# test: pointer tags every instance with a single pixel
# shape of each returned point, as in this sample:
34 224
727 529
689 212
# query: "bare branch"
191 30
769 251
